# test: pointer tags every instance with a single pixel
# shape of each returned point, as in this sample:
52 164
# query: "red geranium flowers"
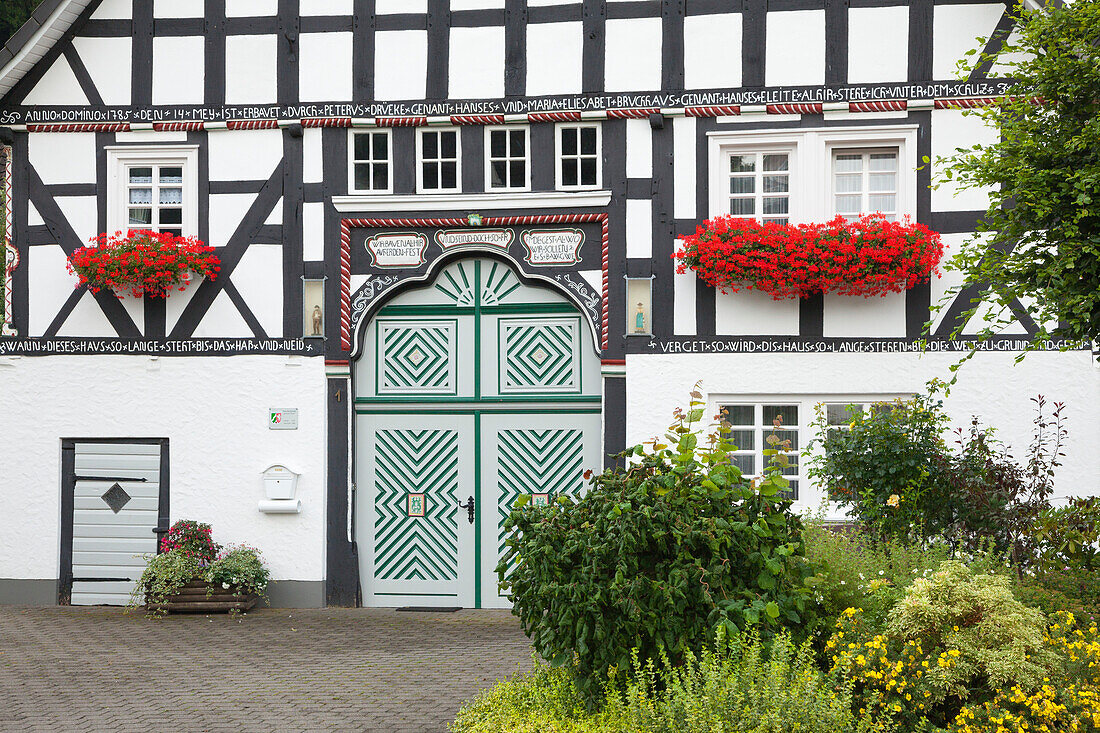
142 263
868 257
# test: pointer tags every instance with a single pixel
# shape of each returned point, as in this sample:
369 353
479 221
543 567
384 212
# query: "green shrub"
740 686
545 700
999 640
1068 537
655 556
888 467
1076 590
164 575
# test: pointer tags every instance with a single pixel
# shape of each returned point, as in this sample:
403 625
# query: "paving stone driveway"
96 669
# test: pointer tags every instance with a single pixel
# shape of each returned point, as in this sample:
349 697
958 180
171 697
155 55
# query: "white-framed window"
438 160
153 188
371 161
508 158
579 154
751 424
865 182
759 185
751 419
821 176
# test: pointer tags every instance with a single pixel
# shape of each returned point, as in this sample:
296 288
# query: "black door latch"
469 507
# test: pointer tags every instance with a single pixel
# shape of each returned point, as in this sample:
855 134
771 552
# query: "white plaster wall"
684 142
795 52
554 53
244 155
951 130
179 70
57 86
250 66
476 65
639 228
956 29
990 386
63 157
213 411
712 51
108 61
400 61
639 149
632 55
325 67
878 44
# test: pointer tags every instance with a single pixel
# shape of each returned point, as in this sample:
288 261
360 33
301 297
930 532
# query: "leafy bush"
240 568
1071 700
739 686
545 700
742 685
896 475
953 638
888 467
190 538
655 556
164 575
1068 537
1075 590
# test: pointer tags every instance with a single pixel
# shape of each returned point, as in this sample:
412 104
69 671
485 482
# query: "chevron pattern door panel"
416 357
544 456
416 547
540 355
539 462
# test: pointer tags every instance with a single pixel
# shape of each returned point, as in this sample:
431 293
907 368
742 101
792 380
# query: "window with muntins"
864 182
751 424
759 186
508 158
155 198
370 161
439 160
578 156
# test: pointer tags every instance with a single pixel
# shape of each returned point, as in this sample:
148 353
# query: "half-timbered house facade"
445 229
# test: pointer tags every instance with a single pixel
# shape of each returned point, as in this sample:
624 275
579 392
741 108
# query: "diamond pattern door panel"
416 357
416 538
540 355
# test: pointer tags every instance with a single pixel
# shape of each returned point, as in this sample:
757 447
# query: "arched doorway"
471 390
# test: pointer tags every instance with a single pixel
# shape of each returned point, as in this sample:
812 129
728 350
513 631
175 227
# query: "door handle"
470 507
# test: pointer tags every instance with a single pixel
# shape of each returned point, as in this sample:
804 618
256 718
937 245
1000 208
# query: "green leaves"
656 556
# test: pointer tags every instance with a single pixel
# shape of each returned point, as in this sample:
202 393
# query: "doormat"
430 609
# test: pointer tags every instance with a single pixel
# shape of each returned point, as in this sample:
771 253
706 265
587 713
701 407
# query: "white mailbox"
280 482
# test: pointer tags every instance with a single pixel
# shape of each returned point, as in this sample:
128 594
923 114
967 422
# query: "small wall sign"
403 250
553 247
452 238
282 418
540 499
414 506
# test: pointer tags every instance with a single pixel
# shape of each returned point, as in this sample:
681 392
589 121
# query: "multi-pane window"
751 424
438 160
840 415
370 161
508 156
864 182
760 186
154 198
578 156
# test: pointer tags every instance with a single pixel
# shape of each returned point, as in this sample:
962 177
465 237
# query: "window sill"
471 201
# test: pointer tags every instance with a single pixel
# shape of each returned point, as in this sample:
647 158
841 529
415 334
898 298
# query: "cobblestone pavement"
98 669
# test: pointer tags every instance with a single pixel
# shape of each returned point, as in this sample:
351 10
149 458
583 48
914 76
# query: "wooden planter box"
196 597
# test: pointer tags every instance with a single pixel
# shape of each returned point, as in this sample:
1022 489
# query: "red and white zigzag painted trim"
178 126
809 108
401 121
326 122
967 103
82 127
252 125
477 119
346 225
554 117
718 111
631 114
891 105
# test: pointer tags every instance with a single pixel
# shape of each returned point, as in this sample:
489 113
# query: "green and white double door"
471 391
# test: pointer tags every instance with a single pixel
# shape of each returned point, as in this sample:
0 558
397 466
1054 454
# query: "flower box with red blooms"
868 257
142 263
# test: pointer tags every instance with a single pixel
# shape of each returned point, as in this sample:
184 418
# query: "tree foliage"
13 14
1039 244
